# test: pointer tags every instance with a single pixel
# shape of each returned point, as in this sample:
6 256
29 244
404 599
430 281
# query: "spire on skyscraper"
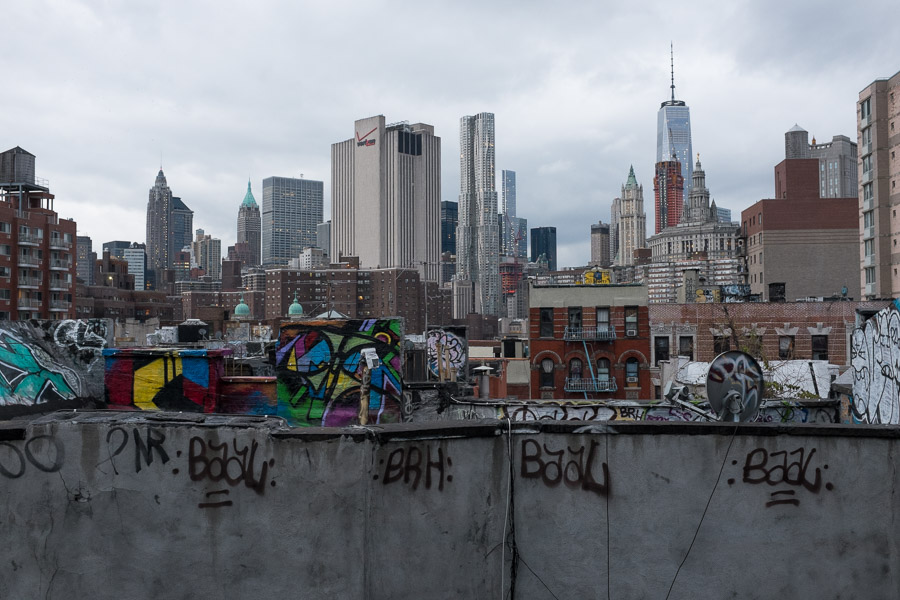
672 64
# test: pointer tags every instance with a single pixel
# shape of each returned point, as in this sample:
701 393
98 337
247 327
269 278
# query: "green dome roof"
242 310
249 200
295 310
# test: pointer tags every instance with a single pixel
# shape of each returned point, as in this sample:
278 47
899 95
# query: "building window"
820 347
575 366
870 275
5 228
575 317
686 346
867 164
603 369
786 347
631 372
869 246
660 349
546 322
865 108
869 218
866 136
603 318
721 343
547 373
631 320
867 191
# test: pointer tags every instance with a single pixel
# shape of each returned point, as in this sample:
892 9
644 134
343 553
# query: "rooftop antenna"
672 65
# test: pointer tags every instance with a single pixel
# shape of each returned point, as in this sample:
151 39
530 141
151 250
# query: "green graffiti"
26 376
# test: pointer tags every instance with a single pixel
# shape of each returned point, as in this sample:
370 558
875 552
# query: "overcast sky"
102 92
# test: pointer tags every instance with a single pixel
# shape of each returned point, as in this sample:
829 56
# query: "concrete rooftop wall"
124 505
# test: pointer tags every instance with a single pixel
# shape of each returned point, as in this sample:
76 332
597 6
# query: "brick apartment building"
589 342
359 293
769 330
801 244
37 266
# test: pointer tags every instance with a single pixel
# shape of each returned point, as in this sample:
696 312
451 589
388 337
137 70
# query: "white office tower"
386 197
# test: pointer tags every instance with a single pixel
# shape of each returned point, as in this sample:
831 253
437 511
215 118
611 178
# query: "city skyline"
104 119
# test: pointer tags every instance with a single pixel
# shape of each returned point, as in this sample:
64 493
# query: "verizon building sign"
363 140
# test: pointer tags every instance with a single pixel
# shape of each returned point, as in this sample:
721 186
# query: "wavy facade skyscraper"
478 233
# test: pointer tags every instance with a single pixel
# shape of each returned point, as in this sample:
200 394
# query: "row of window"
575 318
577 371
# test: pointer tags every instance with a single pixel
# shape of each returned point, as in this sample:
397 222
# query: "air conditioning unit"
631 379
631 332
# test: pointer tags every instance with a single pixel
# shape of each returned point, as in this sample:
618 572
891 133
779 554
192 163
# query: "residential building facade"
878 131
800 244
37 248
589 342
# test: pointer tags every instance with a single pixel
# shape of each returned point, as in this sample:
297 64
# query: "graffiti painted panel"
875 360
30 376
320 372
177 380
248 396
447 350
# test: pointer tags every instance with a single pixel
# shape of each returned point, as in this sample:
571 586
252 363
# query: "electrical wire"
708 502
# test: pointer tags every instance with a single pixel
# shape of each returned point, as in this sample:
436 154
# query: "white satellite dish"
735 386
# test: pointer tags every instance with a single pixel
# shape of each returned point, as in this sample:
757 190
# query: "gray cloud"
100 91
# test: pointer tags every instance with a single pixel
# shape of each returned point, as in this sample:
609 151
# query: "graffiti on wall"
875 360
573 411
84 339
248 396
30 376
320 371
447 351
794 472
177 380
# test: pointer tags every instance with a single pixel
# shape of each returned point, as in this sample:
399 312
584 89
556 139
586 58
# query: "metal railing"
28 261
600 334
29 281
28 303
578 384
55 263
60 305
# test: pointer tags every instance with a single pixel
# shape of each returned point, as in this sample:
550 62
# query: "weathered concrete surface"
106 505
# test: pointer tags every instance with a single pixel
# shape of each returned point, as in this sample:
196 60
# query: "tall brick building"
878 128
800 244
37 265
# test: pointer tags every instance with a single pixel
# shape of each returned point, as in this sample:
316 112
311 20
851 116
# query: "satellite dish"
735 386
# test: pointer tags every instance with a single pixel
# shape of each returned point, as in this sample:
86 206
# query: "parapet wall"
130 505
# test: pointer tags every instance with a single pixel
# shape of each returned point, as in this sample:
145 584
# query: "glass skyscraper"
291 211
673 137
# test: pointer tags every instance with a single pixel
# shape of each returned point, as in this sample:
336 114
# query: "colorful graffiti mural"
248 396
30 376
875 361
320 372
164 379
447 351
